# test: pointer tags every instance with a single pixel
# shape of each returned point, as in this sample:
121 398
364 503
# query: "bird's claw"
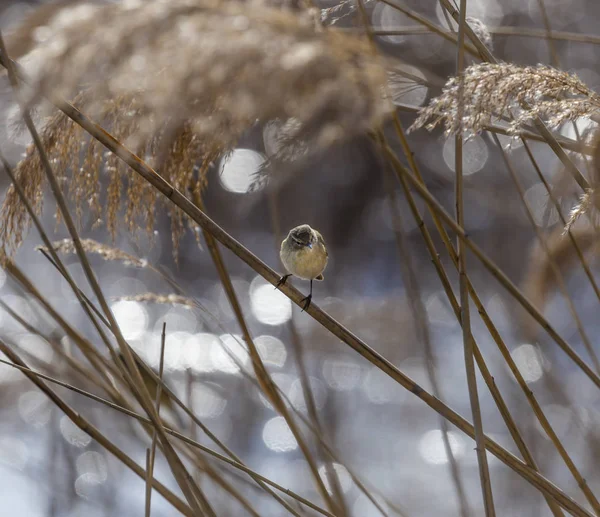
282 280
307 301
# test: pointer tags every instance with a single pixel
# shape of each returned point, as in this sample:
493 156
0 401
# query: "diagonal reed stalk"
152 451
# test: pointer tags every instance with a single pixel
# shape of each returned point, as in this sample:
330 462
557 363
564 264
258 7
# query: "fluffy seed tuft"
505 90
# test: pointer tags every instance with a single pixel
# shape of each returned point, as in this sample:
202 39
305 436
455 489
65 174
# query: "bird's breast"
307 263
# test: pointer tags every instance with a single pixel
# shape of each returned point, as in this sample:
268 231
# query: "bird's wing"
322 241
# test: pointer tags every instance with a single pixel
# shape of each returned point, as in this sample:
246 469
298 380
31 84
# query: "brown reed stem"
465 314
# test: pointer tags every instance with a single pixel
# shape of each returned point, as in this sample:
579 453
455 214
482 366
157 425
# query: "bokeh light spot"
92 464
277 435
269 305
529 362
342 474
72 433
13 452
228 354
208 402
543 211
319 394
198 350
131 317
341 374
37 347
271 350
432 449
475 154
35 408
237 171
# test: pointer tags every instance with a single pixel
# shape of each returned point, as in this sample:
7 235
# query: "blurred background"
384 434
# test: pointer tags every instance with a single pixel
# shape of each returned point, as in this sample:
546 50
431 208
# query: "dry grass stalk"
494 90
180 81
332 15
166 299
589 201
91 246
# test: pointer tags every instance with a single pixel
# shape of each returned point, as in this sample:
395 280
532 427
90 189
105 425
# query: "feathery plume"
179 81
481 31
220 65
332 15
91 246
164 299
587 202
496 90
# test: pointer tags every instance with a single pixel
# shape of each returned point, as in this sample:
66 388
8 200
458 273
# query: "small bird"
303 254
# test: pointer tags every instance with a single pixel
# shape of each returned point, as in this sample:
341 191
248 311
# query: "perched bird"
303 254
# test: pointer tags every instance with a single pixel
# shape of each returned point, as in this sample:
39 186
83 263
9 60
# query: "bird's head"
302 236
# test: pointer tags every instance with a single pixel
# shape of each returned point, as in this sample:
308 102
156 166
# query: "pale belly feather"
306 263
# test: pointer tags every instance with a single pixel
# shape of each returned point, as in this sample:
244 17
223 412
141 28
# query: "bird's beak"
310 245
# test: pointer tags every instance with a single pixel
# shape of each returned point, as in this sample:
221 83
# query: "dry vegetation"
175 84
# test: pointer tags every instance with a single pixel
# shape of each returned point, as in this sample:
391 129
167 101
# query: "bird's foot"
306 302
282 280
